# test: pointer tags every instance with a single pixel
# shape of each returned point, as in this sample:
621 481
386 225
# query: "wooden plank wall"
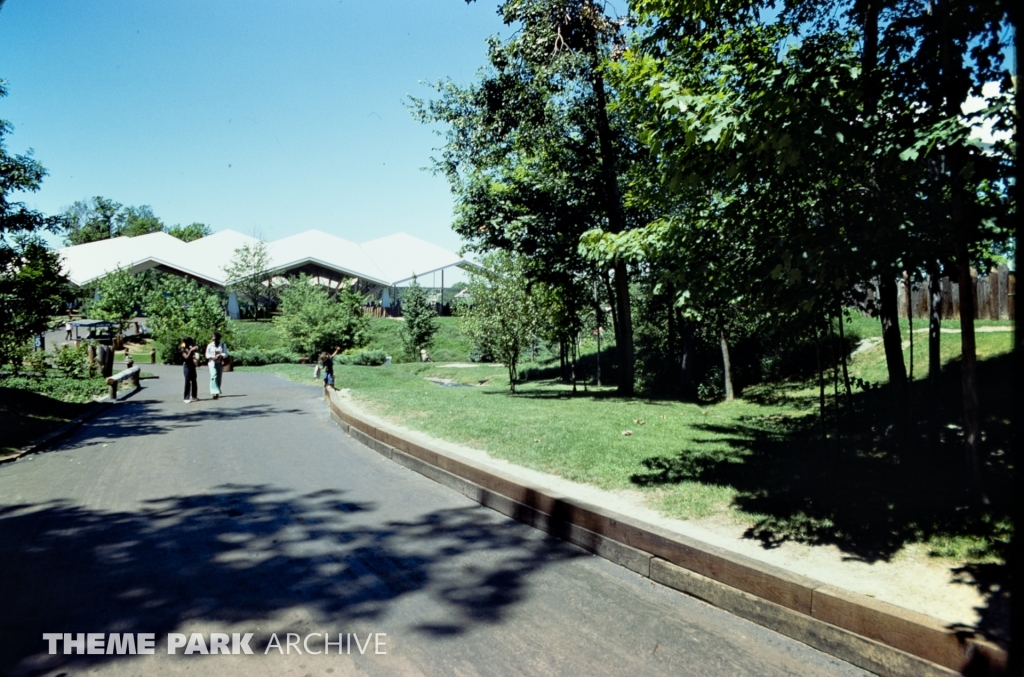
993 296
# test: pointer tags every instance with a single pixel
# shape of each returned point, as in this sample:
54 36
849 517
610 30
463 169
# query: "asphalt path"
255 514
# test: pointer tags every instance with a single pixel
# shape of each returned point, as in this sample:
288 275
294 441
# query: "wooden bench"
115 380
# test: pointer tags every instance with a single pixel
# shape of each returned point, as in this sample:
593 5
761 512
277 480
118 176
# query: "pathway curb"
868 633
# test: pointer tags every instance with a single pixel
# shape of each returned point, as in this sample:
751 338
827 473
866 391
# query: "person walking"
188 350
67 328
216 353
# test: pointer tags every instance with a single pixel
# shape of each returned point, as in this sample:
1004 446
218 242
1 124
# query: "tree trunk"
616 223
686 365
891 338
835 383
846 373
625 334
561 359
934 357
727 366
910 373
968 377
893 343
821 389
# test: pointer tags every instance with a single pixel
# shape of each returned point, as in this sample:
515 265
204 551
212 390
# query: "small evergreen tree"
420 320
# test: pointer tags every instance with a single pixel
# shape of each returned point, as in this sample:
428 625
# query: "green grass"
450 344
247 334
759 461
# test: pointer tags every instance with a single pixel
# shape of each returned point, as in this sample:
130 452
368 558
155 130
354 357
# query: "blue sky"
260 116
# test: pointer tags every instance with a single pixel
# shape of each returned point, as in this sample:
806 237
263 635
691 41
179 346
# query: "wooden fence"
994 294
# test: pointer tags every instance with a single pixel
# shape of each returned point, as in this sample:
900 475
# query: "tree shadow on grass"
868 496
247 554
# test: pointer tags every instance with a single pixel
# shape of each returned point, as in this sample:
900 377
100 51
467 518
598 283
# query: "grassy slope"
759 460
450 344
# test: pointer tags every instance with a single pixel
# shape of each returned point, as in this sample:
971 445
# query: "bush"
256 357
60 387
364 358
420 324
182 307
72 361
313 320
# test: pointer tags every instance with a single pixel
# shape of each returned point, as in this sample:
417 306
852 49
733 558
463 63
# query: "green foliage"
32 289
63 388
257 357
450 343
193 231
363 358
122 294
503 315
183 308
249 275
420 324
313 320
262 335
535 154
71 361
103 218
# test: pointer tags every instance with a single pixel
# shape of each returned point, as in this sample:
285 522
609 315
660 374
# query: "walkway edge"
871 634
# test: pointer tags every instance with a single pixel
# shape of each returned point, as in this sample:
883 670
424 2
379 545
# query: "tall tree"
249 274
504 312
32 286
534 156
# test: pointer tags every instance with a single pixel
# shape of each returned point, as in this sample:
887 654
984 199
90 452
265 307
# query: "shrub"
60 387
364 358
313 320
420 320
181 308
256 357
72 361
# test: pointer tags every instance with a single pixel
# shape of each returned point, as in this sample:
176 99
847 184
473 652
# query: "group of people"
216 355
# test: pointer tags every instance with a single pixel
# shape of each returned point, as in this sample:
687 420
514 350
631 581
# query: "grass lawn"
450 344
759 461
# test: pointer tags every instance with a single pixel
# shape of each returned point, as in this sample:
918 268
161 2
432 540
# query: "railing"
115 380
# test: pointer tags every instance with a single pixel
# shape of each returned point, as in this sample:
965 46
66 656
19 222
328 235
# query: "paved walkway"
255 514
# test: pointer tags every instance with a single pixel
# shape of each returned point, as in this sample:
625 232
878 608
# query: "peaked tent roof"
386 261
329 251
403 256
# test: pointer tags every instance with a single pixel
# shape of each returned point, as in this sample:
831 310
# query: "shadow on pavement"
245 554
141 417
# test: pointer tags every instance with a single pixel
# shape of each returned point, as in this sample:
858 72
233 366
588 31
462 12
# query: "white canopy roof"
386 261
